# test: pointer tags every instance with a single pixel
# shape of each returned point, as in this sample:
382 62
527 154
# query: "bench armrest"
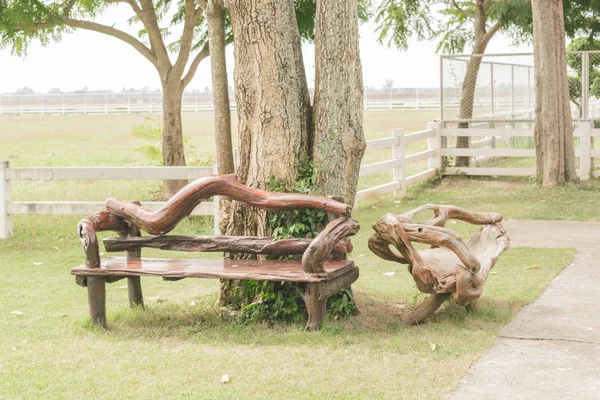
320 248
87 229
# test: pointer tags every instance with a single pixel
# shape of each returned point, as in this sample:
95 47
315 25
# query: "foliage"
282 301
305 15
151 132
400 20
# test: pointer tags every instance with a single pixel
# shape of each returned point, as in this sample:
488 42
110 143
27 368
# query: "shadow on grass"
202 321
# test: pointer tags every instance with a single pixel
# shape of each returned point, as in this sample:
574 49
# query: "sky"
100 62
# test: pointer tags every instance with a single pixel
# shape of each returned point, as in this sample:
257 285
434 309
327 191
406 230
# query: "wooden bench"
322 271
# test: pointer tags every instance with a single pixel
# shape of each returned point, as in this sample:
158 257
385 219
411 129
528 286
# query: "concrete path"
551 350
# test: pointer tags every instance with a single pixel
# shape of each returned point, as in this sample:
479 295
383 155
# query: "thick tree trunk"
555 153
339 142
173 153
274 115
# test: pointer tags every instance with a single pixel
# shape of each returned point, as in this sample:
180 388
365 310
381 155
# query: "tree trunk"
274 115
555 153
172 146
482 36
339 142
467 98
215 15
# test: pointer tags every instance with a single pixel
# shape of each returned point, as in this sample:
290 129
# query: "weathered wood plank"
233 244
331 287
184 201
266 270
320 248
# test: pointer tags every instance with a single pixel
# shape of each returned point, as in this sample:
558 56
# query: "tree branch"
492 31
110 31
194 65
148 18
186 38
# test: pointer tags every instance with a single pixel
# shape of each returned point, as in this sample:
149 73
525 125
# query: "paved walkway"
551 350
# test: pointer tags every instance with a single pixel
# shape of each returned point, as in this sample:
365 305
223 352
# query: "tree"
553 134
22 21
279 143
465 24
339 140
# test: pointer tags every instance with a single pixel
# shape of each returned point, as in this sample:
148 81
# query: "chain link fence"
502 86
487 87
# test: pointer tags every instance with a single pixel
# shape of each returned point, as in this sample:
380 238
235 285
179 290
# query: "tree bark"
172 145
553 134
215 16
274 114
339 142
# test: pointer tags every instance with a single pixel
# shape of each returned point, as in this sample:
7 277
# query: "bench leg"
134 289
96 287
316 308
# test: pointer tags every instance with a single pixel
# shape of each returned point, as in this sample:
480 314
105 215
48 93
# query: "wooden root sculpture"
449 267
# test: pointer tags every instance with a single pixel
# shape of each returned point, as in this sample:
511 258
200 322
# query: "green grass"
176 350
181 345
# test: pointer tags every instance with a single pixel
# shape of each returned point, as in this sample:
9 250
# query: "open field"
181 345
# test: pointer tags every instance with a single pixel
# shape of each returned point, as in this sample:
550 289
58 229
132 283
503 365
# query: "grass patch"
181 344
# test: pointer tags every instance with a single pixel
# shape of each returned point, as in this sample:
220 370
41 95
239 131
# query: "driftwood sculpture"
449 267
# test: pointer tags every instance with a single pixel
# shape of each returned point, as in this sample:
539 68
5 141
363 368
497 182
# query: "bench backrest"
127 218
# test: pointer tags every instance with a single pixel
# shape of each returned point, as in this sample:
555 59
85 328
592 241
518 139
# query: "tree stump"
449 267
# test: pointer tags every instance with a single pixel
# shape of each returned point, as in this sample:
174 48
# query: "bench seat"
262 270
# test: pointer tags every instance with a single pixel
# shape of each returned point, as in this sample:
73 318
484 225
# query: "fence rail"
584 151
8 208
400 160
398 164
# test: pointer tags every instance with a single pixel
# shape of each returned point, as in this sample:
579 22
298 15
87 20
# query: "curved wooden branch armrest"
320 248
183 203
441 214
87 229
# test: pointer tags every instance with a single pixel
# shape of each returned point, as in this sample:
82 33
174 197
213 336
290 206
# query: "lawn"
181 345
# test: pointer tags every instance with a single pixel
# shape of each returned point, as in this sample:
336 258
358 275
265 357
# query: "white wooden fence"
398 163
400 160
584 130
8 208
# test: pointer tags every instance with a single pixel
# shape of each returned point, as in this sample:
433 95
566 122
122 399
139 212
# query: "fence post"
585 148
399 173
435 143
585 85
5 193
417 94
